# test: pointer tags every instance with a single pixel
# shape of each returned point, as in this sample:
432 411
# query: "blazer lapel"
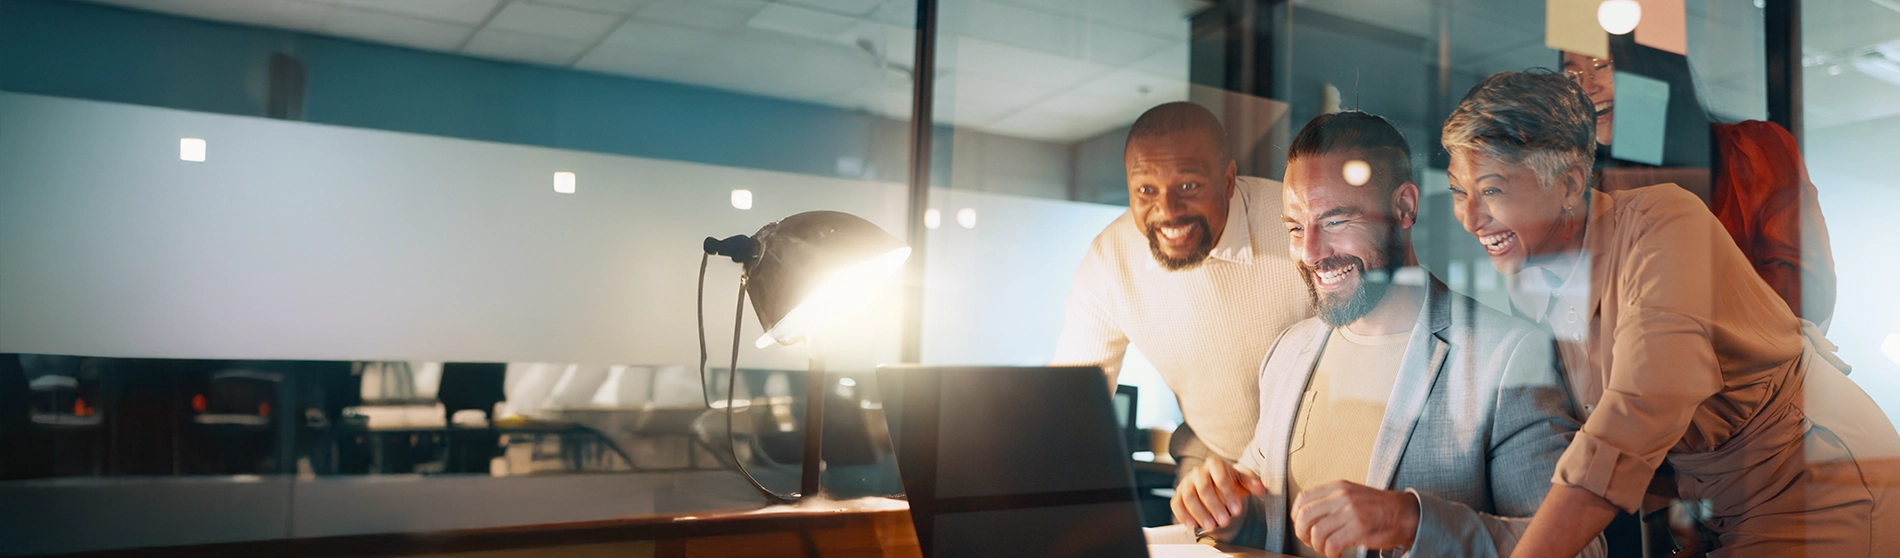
1418 371
1282 386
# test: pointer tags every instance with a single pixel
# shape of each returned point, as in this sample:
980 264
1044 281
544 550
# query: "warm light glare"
1357 172
967 218
933 218
847 382
742 199
191 149
1619 16
844 289
564 182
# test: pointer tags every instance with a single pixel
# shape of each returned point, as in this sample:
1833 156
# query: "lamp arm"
732 392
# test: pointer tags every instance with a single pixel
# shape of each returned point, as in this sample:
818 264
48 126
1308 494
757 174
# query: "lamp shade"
807 266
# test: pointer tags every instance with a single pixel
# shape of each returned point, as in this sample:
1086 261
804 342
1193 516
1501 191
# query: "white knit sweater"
1206 329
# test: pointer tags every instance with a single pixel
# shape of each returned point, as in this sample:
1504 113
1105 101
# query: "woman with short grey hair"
1675 350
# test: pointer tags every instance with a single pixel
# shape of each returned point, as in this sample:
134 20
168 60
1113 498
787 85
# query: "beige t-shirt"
1339 416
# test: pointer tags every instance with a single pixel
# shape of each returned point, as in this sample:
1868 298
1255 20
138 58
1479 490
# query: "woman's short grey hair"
1536 118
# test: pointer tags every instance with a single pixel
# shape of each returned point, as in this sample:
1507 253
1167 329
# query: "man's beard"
1339 309
1193 258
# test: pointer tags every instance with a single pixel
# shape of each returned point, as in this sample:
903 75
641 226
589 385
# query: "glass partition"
1850 75
340 261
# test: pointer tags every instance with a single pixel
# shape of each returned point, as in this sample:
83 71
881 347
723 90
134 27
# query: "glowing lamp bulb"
1357 172
1619 16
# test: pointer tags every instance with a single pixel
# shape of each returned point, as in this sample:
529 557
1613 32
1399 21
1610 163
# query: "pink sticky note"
1664 26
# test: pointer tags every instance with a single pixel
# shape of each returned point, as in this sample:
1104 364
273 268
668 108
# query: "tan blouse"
1685 349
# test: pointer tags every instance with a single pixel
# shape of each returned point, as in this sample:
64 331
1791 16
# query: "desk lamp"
799 271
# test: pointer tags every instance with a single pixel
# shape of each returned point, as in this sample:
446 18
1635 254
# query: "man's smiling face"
1179 186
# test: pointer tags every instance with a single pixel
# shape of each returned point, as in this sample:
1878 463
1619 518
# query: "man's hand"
1213 494
1335 517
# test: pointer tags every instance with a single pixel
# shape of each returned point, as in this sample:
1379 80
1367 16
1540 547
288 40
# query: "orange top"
1686 348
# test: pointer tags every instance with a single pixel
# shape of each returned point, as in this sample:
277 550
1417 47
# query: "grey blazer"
1477 419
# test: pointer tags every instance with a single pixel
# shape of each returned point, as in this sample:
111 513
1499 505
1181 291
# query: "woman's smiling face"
1510 212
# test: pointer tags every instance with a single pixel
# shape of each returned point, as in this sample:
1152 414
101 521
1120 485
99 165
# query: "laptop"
1012 461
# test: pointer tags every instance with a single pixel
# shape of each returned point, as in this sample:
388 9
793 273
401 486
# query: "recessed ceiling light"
564 182
933 218
967 218
742 199
191 149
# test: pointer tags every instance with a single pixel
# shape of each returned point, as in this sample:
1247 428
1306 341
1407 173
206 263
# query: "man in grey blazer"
1404 418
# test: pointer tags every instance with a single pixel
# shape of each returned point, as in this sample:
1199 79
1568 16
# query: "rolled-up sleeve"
1662 362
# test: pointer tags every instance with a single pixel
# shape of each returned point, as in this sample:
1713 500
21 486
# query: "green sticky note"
1642 114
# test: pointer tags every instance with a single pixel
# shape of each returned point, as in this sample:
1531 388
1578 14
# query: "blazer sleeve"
1530 427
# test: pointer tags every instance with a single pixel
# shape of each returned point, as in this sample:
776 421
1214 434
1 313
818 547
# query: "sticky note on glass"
1571 26
1642 112
1664 26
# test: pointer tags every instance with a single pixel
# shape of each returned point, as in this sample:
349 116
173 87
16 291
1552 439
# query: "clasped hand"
1333 518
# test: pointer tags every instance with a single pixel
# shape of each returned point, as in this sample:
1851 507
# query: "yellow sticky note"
1664 26
1571 26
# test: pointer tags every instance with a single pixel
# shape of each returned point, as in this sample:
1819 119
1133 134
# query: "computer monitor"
1001 461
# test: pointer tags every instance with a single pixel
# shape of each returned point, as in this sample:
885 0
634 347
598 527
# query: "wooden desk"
881 530
1244 552
875 528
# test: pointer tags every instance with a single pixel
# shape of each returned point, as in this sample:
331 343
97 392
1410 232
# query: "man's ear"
1405 201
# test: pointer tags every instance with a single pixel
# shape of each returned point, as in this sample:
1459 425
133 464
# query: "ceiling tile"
573 25
1044 127
1016 26
397 30
804 22
856 8
282 14
661 38
615 7
1089 108
974 90
466 12
1171 63
1030 67
1116 47
633 62
707 14
524 47
1131 87
897 12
